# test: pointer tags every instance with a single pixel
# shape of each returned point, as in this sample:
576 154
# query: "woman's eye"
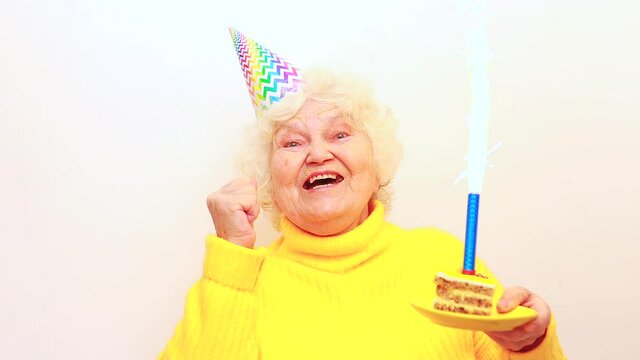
341 135
290 144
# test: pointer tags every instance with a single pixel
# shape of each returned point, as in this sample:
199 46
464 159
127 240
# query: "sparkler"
478 59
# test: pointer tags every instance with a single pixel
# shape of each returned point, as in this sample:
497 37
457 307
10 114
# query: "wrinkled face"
323 171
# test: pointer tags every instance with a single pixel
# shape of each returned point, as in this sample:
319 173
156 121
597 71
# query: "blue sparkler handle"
473 206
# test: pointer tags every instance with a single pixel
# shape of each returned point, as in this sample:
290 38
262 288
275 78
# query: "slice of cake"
467 294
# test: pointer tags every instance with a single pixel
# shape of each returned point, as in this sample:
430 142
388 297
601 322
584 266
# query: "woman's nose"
319 152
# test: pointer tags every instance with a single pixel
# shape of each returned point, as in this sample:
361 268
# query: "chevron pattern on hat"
268 76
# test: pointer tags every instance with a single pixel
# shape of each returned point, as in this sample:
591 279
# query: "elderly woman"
339 282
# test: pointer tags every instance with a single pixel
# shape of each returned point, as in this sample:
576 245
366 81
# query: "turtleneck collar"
339 253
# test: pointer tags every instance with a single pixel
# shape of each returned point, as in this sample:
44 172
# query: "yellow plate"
494 322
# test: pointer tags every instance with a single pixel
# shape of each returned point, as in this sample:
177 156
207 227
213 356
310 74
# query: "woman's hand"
529 335
233 209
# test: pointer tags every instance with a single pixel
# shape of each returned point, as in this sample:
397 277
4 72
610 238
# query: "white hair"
354 97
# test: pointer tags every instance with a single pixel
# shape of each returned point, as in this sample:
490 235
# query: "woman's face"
323 171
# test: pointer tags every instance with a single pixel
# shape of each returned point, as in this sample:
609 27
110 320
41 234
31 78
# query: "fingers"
512 297
541 322
252 207
514 344
241 194
520 337
522 334
515 339
234 208
528 333
239 185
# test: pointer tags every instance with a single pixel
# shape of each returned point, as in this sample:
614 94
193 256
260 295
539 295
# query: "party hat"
268 76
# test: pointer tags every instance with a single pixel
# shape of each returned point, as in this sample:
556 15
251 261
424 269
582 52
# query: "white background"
117 118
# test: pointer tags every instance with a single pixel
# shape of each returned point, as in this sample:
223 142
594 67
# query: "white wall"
117 118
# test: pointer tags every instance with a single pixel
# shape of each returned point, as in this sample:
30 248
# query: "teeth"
323 176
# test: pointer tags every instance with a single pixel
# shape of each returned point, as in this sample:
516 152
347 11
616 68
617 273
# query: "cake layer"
460 308
447 283
465 297
466 294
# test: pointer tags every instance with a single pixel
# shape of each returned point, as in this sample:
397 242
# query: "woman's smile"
322 180
323 170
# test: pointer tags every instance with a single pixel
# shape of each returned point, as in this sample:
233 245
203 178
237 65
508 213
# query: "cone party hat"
268 76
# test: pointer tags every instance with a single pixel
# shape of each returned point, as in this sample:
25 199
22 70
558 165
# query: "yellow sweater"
342 297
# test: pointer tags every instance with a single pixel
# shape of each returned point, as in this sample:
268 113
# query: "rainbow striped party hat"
268 76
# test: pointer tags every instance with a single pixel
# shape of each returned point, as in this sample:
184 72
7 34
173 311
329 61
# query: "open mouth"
322 180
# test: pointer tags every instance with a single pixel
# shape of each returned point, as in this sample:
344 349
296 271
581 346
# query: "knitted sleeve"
219 317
